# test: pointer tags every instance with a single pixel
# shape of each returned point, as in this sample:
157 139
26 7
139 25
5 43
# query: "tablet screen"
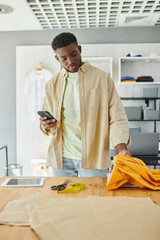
20 182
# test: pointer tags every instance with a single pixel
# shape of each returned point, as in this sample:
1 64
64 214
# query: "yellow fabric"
101 114
127 81
71 127
133 171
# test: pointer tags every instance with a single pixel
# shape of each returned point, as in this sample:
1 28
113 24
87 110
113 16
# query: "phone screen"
46 114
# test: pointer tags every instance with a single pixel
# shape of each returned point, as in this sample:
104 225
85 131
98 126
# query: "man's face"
69 57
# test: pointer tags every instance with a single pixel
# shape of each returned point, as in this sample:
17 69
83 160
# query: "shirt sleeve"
118 122
48 106
53 131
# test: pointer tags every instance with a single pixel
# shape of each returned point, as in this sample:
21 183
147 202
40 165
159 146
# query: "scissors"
61 186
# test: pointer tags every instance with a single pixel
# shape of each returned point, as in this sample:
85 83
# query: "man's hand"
48 124
122 149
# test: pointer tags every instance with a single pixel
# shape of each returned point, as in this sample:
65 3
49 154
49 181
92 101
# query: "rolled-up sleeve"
118 122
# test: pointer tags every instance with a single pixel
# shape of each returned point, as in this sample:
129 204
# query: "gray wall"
8 43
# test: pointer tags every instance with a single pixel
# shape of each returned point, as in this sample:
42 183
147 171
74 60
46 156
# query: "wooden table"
94 186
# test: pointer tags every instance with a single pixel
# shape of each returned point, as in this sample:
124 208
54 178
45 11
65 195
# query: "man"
84 101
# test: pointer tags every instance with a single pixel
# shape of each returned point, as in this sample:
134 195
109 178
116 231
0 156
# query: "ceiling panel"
95 13
58 14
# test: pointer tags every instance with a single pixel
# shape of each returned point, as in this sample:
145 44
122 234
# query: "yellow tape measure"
75 187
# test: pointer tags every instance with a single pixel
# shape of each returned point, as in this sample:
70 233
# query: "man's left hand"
122 149
125 152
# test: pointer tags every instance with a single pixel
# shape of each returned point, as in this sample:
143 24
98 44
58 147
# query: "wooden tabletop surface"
95 186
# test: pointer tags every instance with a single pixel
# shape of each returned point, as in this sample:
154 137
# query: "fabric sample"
133 171
89 218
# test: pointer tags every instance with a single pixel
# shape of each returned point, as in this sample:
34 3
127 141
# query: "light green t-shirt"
71 127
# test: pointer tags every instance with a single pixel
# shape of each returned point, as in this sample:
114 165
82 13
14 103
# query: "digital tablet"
23 182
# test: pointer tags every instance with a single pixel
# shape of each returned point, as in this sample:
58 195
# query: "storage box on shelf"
151 114
135 67
134 113
146 99
134 130
149 92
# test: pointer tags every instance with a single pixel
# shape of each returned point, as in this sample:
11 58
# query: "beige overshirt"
101 113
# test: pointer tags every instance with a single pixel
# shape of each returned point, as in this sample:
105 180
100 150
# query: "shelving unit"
147 102
139 66
147 99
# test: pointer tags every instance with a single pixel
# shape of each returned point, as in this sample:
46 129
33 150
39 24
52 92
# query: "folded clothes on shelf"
127 79
133 55
144 79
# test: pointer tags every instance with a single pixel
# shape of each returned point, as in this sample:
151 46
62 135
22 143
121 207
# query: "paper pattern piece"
89 218
132 171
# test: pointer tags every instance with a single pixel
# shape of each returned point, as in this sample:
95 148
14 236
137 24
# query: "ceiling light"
5 9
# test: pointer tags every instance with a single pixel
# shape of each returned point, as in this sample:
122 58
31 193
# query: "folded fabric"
133 171
124 78
124 81
144 79
133 55
89 218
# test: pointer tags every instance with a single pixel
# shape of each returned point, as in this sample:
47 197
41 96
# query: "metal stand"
2 147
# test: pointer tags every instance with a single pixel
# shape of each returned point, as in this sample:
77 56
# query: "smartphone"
46 114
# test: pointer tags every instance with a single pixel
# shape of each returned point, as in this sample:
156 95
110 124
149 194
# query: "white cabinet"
139 66
103 63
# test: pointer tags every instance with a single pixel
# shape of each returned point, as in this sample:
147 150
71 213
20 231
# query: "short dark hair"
63 40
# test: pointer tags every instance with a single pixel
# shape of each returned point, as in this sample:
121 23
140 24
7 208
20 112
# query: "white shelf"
141 59
139 66
140 83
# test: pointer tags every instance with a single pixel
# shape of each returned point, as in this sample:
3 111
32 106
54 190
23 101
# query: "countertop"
95 186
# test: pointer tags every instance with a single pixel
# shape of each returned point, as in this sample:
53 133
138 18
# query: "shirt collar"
82 68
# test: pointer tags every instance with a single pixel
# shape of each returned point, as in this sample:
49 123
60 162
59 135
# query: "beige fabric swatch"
89 218
15 213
